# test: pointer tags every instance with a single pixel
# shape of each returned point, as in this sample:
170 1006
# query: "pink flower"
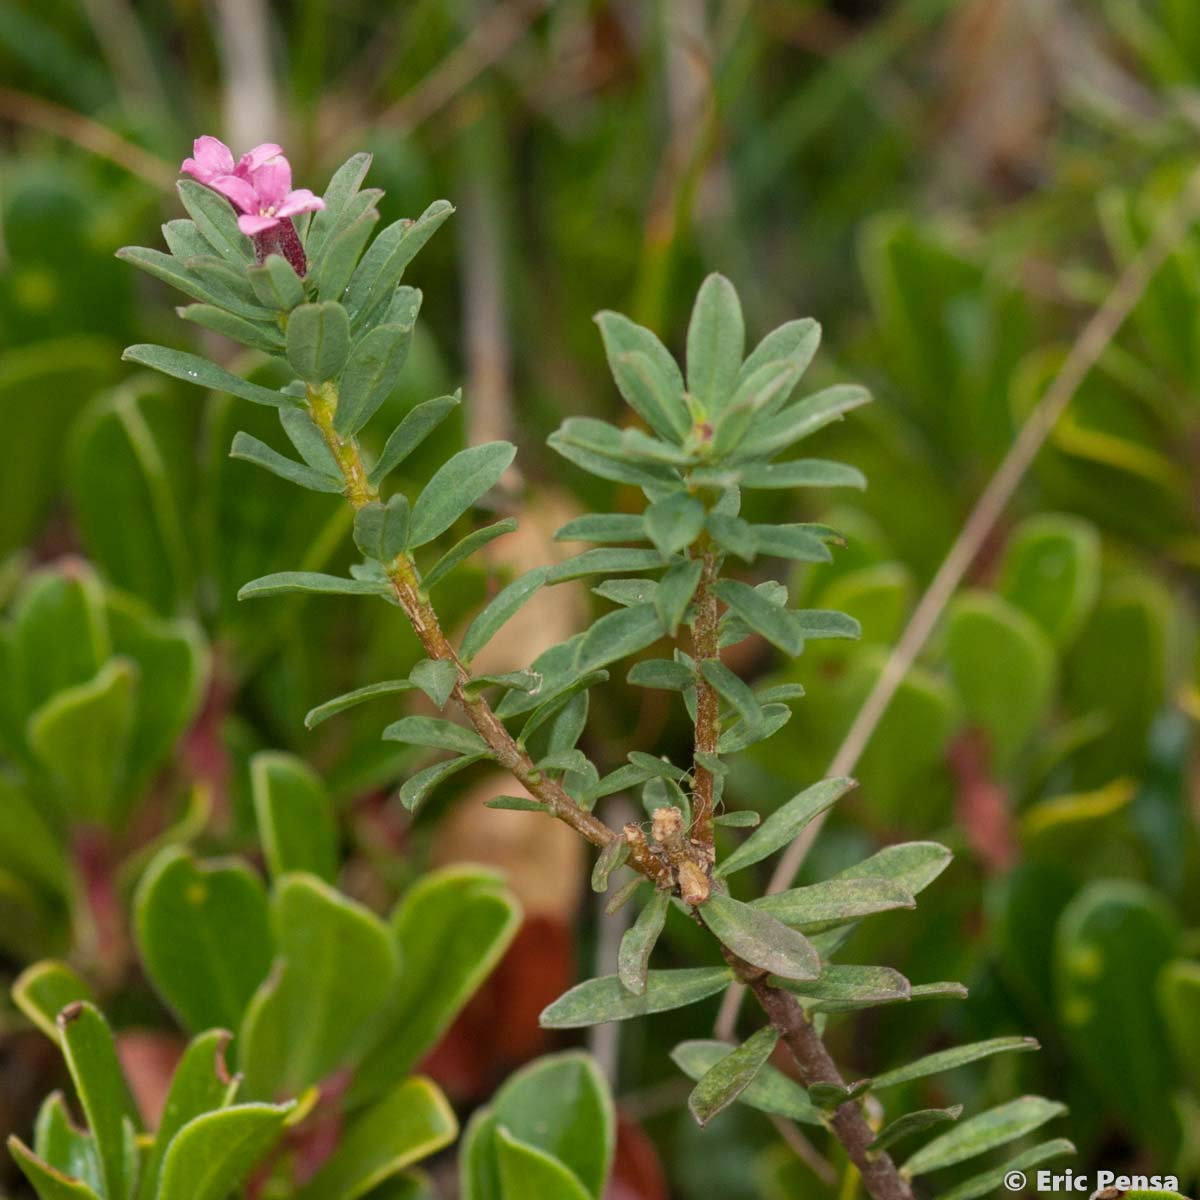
259 184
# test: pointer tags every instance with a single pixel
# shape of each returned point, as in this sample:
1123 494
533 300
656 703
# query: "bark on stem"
705 646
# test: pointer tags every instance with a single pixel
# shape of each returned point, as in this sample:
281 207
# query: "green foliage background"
948 187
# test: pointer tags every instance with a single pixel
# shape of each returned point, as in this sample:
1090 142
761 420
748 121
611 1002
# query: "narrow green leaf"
295 816
612 855
618 634
417 425
769 1091
309 441
848 988
455 486
409 1123
376 361
517 804
342 189
663 673
184 239
913 865
776 624
740 819
463 550
418 786
258 335
733 535
556 699
623 895
802 472
836 900
216 220
336 964
318 341
743 734
191 368
822 623
215 1152
627 592
606 999
796 542
785 823
956 1056
731 1075
203 936
913 1122
984 1132
675 521
566 441
250 449
338 704
675 591
603 561
715 343
381 530
646 375
988 1182
43 990
603 527
796 343
760 939
733 690
829 1097
804 418
171 271
276 283
751 396
499 611
283 583
436 678
435 733
637 943
87 1045
340 255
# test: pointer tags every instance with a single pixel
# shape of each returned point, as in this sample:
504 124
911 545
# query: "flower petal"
272 181
301 200
238 190
253 159
250 224
210 157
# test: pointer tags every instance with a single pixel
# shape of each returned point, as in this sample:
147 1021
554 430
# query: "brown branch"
880 1175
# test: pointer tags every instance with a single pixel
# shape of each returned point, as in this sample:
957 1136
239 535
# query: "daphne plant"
337 316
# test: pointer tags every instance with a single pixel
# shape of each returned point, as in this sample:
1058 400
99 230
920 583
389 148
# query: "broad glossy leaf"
417 425
646 375
525 1170
336 964
42 991
213 1153
48 1183
372 372
606 999
409 1123
914 1122
770 1091
201 1084
455 486
87 1045
318 341
203 936
80 736
731 1075
760 939
836 900
295 816
989 1182
996 1127
637 943
715 343
785 823
847 988
948 1060
1112 942
451 928
191 368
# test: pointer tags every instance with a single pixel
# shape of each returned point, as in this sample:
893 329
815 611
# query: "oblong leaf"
637 943
913 1122
191 368
455 486
956 1056
596 1001
989 1182
731 1075
760 939
770 1091
836 900
318 341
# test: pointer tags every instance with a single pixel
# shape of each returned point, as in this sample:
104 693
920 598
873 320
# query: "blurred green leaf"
984 1132
295 817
